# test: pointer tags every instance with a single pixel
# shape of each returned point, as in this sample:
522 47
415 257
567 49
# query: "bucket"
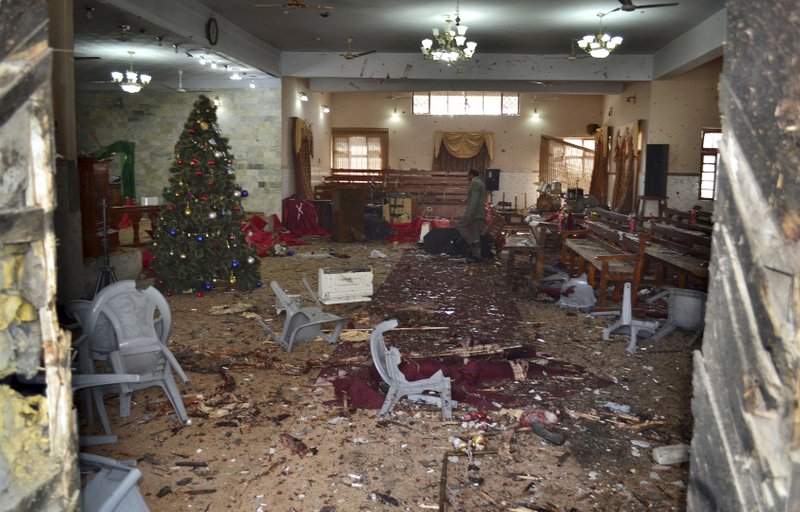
687 308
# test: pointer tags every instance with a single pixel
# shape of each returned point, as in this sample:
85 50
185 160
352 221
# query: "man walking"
471 223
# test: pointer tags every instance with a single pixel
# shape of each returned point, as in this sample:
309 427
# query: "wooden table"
531 258
135 213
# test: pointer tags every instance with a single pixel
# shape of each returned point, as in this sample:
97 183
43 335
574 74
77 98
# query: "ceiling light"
130 81
202 60
535 113
216 101
452 43
214 64
325 109
395 115
599 45
303 96
252 84
236 76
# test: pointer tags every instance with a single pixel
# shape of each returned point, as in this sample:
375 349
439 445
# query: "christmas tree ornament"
173 232
183 256
218 154
187 212
234 264
236 193
212 215
200 238
199 293
251 260
203 125
259 284
245 193
208 286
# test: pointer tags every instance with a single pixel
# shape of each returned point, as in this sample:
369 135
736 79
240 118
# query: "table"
524 247
135 212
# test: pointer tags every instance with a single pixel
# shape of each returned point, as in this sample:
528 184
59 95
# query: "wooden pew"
608 255
681 251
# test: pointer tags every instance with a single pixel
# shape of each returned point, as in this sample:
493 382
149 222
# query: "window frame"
708 152
466 109
381 134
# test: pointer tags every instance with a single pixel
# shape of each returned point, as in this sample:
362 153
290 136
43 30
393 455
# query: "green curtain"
125 150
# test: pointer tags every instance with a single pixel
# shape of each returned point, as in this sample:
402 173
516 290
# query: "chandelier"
452 43
599 45
130 81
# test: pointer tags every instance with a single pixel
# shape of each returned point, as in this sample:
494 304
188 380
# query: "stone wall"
746 400
153 119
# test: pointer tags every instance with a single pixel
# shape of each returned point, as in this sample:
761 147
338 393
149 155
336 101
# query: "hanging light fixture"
303 96
325 109
131 81
599 45
452 44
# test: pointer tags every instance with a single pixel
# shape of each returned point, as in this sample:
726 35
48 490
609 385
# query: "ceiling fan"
296 4
628 6
350 55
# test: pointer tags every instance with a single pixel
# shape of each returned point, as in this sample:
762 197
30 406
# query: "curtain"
303 145
599 183
463 144
463 151
626 163
125 149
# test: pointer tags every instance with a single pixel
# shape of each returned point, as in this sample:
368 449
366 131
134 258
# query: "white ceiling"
522 44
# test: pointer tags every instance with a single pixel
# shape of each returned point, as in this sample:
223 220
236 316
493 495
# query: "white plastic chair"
113 486
387 360
122 328
303 323
627 324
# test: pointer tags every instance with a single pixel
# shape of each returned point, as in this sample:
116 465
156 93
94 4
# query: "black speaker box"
492 180
655 170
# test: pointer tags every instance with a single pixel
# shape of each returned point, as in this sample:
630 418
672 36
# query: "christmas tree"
199 243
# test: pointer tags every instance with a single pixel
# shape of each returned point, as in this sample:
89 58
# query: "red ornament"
191 130
210 183
211 163
169 294
237 207
180 162
155 256
204 198
199 293
170 207
199 173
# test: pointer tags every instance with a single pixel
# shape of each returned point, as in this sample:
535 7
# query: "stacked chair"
122 349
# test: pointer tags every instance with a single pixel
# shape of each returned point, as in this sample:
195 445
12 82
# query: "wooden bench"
618 221
440 193
617 256
524 252
695 220
683 252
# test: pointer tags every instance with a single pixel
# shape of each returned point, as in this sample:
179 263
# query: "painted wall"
674 112
153 120
516 138
311 111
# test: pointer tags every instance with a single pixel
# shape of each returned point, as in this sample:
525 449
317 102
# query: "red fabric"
124 222
405 231
300 217
147 259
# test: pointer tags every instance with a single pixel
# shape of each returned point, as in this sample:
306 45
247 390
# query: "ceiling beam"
693 48
188 19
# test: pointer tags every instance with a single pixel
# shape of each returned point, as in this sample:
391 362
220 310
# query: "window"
454 103
710 162
359 148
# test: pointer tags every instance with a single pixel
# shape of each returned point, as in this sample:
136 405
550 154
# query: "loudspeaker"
492 180
655 170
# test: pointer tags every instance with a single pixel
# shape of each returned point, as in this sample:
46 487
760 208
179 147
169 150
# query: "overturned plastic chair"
114 486
387 360
627 324
303 323
686 310
128 329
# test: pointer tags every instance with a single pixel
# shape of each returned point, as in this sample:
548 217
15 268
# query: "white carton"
343 284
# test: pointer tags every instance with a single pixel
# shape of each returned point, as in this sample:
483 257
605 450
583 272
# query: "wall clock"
212 31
